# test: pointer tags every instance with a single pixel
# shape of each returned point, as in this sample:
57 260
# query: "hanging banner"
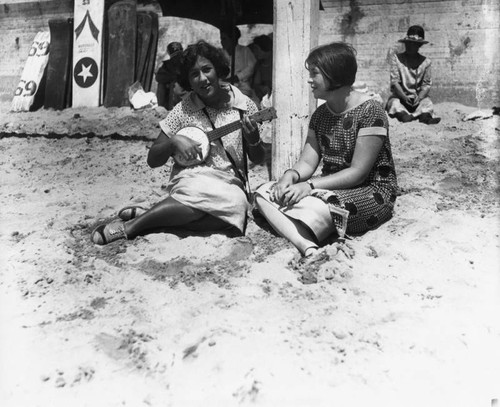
87 52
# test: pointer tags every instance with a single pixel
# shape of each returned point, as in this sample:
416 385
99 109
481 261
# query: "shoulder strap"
243 176
245 160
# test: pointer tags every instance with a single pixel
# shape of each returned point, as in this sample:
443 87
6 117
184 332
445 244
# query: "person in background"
262 48
169 91
411 81
244 60
349 135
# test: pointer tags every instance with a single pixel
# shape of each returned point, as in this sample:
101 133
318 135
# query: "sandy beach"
409 316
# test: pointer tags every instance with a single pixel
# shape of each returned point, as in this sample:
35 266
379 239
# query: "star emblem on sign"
85 72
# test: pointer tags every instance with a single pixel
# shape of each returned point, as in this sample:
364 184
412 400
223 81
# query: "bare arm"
164 147
366 151
251 135
301 171
309 158
160 151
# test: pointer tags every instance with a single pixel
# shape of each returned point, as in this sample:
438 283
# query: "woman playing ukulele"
209 196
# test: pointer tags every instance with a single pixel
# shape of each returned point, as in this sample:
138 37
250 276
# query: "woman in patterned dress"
411 81
209 196
357 187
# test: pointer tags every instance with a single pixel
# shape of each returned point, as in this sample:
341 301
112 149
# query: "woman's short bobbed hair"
336 61
202 49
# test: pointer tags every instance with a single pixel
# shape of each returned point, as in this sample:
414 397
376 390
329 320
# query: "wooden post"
296 27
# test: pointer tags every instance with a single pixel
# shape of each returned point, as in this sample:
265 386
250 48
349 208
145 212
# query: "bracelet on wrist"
310 183
296 172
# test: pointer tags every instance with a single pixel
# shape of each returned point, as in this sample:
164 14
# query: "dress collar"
238 101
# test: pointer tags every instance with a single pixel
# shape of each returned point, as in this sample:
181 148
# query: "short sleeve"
427 79
252 109
373 121
313 123
395 75
172 123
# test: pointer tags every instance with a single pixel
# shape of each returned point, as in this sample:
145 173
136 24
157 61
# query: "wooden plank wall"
463 42
19 22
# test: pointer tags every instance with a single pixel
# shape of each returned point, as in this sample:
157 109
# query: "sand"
408 318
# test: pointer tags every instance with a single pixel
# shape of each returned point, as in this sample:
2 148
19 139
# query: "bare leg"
171 213
292 230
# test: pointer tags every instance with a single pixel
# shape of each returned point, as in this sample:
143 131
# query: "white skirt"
215 192
313 212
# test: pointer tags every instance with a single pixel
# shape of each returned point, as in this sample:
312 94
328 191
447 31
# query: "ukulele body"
199 136
205 138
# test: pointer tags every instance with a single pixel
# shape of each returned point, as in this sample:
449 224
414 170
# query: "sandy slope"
175 320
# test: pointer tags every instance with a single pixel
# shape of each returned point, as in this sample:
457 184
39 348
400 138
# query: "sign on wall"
33 71
87 52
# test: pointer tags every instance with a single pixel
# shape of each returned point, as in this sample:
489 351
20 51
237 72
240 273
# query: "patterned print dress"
364 207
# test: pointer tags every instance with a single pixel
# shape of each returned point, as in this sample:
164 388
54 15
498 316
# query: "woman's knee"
258 201
266 207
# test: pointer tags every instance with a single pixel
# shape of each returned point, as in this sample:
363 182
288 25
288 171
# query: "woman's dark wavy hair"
202 48
336 61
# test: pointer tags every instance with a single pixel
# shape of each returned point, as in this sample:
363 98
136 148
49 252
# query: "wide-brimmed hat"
415 34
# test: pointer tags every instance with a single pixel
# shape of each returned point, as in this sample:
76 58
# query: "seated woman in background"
411 81
208 196
349 133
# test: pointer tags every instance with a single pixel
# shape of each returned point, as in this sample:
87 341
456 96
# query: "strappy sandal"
108 233
130 212
311 251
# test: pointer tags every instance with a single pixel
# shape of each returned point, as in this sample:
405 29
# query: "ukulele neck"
259 117
224 130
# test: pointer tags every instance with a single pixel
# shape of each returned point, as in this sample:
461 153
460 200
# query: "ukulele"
204 139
